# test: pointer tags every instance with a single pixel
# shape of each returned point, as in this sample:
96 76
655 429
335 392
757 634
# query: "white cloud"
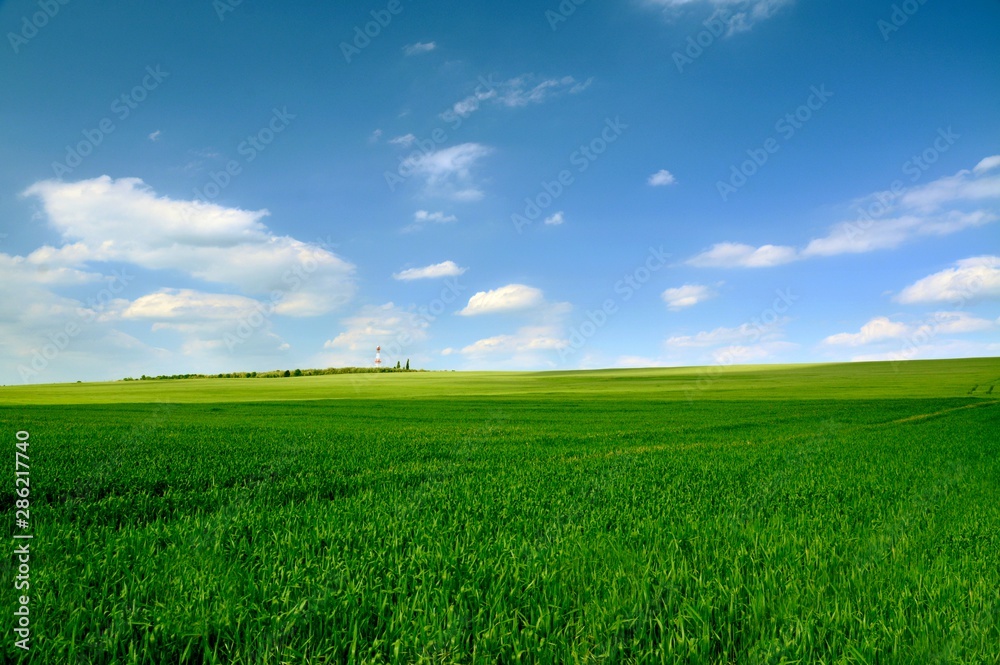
736 255
123 220
155 136
406 140
747 333
972 279
964 186
735 15
517 92
877 330
520 92
47 337
445 269
662 178
423 217
556 219
532 346
469 105
987 164
419 47
942 349
851 238
910 340
527 339
637 362
448 172
399 331
187 305
510 298
740 354
954 323
209 323
938 208
687 295
436 217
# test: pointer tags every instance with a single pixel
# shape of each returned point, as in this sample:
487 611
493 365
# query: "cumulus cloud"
398 330
188 305
876 330
527 339
736 255
920 338
533 344
556 219
687 296
662 178
972 279
47 337
444 269
510 298
103 220
210 324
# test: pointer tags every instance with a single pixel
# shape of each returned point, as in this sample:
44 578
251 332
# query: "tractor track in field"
639 450
924 416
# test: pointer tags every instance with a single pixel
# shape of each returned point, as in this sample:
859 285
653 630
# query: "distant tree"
407 364
397 364
287 373
297 372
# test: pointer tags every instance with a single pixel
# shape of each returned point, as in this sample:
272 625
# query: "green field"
797 514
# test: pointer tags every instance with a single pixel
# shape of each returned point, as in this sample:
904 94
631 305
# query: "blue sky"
225 186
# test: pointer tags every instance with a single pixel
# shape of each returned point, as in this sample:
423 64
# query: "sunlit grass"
546 528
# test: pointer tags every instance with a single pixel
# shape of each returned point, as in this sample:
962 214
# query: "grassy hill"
926 378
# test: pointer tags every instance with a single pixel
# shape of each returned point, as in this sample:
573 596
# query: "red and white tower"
378 356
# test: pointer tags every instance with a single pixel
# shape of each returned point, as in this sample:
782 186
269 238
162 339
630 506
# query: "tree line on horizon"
277 373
